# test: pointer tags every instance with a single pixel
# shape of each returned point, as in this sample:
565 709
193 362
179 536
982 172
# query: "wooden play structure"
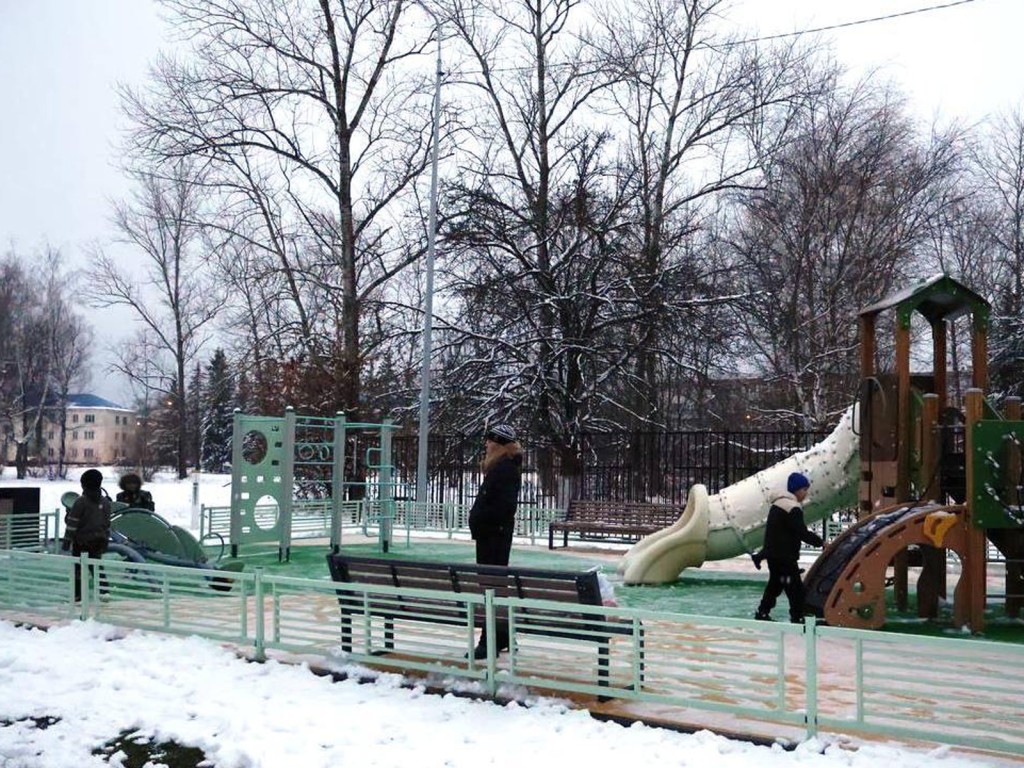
934 477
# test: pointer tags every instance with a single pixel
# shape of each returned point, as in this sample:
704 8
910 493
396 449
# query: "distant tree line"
639 208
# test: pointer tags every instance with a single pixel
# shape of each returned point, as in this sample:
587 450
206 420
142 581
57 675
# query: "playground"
918 500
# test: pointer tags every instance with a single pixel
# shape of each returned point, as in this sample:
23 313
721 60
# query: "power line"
763 38
856 23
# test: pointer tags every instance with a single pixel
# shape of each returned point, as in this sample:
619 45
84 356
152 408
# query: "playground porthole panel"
266 512
254 446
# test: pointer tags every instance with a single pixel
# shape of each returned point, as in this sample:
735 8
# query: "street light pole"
428 299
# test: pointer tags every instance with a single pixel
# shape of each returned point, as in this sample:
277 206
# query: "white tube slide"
732 521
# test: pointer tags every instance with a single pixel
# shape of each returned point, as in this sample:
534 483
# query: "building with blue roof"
85 400
97 432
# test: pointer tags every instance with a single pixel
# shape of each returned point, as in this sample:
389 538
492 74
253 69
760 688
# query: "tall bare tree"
42 349
999 164
26 361
533 219
168 291
845 214
314 118
70 342
702 112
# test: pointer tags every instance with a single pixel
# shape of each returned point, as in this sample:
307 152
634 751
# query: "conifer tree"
194 416
218 404
164 432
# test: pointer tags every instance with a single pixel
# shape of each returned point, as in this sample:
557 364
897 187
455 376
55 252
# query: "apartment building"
98 432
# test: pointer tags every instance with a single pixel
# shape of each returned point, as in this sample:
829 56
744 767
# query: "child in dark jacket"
87 526
784 531
132 493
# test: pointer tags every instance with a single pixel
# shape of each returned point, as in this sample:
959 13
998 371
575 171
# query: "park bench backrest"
525 583
623 513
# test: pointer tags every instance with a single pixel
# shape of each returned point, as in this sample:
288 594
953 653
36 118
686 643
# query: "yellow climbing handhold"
937 525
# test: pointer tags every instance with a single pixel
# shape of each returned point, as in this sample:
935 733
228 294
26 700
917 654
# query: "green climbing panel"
997 469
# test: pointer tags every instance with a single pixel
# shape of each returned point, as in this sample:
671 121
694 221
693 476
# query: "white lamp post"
428 299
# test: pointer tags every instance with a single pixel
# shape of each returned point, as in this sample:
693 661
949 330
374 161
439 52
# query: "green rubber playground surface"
709 593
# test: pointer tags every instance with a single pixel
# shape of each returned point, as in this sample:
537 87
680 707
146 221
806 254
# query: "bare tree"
25 357
999 165
315 120
42 348
533 222
170 294
702 114
70 341
846 212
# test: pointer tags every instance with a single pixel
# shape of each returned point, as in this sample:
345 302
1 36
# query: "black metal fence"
634 466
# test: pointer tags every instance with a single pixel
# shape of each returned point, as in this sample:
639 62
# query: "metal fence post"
260 640
83 585
725 460
811 640
491 627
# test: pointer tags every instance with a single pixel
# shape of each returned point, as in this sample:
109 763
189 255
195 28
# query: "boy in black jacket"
87 526
783 533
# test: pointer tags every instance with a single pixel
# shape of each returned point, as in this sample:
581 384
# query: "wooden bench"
619 520
569 587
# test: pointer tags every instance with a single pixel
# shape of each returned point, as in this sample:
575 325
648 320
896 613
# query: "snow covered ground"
247 715
94 682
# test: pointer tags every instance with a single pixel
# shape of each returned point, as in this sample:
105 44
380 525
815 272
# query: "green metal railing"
965 692
28 530
316 518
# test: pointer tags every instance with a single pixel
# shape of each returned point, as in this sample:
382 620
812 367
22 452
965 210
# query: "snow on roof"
85 400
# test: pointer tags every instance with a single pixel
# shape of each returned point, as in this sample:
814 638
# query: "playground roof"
937 298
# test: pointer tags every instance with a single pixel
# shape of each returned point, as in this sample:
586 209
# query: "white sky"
60 59
271 715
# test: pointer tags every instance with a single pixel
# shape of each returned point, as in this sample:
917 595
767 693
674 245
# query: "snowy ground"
247 715
70 690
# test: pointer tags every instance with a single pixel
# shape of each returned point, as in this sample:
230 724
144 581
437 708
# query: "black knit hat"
92 479
130 479
502 434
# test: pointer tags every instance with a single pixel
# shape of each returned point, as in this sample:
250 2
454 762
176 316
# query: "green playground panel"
995 443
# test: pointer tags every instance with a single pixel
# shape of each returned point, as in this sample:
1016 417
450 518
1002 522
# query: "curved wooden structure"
847 584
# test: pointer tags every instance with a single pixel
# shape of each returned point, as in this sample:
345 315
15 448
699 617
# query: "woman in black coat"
492 519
